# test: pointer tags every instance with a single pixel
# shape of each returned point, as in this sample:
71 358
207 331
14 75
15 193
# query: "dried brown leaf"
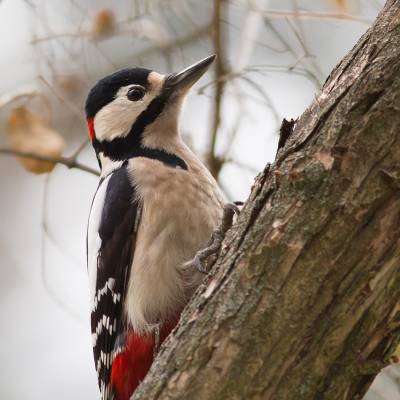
28 132
103 23
341 4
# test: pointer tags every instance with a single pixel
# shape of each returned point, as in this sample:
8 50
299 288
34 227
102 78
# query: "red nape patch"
131 366
90 126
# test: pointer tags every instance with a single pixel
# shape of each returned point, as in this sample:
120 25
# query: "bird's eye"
135 93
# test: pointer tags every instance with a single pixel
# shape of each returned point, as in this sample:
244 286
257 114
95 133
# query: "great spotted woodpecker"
156 205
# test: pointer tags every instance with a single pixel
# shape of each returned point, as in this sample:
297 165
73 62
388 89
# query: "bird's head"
136 107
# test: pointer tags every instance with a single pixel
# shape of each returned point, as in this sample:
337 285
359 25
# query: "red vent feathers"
131 366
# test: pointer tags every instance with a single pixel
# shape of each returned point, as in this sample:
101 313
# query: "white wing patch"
109 286
104 323
94 241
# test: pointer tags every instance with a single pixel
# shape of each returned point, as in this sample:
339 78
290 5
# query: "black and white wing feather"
112 228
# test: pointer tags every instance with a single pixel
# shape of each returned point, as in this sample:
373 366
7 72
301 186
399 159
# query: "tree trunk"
303 301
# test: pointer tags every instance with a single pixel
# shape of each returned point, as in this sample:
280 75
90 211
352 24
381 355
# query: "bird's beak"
183 80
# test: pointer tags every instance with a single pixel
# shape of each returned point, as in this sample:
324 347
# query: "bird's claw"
234 206
197 262
156 339
229 210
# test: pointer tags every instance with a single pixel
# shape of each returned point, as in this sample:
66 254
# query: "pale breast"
181 208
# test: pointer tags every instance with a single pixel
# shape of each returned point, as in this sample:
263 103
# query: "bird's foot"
157 343
199 260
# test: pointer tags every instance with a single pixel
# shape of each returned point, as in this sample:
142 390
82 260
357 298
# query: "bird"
155 206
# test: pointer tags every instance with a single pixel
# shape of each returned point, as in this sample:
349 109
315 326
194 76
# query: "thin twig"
308 14
220 70
261 69
255 41
265 96
7 98
241 165
46 26
59 302
68 103
80 148
45 225
173 44
235 129
297 28
299 58
165 47
25 94
69 162
56 36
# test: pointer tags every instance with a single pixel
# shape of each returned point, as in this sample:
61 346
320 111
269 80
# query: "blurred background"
273 57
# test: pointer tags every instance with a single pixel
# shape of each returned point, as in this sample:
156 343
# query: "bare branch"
69 162
220 70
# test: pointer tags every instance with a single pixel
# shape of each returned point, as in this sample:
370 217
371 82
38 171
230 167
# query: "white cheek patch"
116 118
156 81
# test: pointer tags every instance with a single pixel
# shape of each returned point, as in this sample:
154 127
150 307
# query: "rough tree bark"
303 301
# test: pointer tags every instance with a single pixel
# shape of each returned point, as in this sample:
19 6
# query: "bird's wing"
112 229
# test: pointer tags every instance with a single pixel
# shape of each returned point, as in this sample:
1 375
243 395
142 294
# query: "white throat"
108 165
